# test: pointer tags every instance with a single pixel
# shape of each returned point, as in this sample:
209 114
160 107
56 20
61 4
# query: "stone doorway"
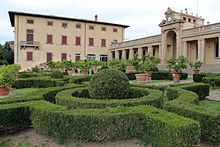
171 44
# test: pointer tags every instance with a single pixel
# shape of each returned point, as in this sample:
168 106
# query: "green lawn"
212 105
24 91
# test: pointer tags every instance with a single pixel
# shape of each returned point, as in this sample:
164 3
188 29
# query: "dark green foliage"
6 54
212 81
201 89
56 74
28 74
78 79
158 75
38 82
76 98
187 104
198 77
109 84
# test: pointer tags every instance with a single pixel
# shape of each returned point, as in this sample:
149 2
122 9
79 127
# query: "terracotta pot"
4 91
176 76
130 68
196 71
149 75
85 72
95 70
141 77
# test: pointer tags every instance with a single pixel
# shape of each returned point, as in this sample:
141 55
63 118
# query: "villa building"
44 38
181 34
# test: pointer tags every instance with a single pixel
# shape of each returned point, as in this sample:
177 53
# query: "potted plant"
133 64
95 64
7 78
196 66
116 64
177 65
150 63
84 66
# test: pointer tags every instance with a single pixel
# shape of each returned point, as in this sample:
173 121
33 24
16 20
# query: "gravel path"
214 95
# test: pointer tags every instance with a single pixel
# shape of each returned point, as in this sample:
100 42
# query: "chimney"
96 17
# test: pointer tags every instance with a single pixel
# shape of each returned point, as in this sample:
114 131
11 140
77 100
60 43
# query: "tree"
6 54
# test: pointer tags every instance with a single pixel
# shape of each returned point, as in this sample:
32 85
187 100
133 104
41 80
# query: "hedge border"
65 98
186 103
149 124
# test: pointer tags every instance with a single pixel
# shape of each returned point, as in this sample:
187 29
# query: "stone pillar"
178 45
164 49
184 49
218 47
201 50
140 52
131 53
150 50
123 54
116 54
160 51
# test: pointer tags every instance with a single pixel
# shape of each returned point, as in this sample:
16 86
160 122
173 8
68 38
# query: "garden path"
214 95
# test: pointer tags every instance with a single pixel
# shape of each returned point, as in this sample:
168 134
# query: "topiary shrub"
56 74
109 84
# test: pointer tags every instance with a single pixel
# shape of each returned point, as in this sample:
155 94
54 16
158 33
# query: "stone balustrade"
145 40
213 28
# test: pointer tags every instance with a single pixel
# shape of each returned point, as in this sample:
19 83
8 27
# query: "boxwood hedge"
186 103
150 125
147 96
201 89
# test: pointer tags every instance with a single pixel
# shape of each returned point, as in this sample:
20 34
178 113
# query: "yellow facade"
40 47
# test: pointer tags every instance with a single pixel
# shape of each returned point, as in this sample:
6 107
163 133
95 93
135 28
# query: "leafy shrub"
57 74
110 84
201 89
78 79
79 98
200 76
28 74
187 104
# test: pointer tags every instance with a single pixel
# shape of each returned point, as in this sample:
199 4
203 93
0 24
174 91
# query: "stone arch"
171 43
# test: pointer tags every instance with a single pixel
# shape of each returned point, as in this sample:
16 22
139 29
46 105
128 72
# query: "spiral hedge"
145 97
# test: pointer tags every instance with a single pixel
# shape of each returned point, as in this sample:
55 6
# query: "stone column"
184 49
131 53
218 47
201 50
140 52
160 52
150 50
116 54
123 54
164 48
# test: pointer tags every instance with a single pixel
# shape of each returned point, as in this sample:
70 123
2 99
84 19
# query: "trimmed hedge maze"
69 112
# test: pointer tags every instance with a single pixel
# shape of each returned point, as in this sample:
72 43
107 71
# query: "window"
63 56
216 49
103 28
104 58
49 39
64 25
91 56
29 56
49 23
91 27
49 57
30 36
64 40
91 41
30 21
78 25
189 19
115 30
78 41
103 42
77 57
184 18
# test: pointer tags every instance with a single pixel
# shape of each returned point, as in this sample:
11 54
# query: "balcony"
30 44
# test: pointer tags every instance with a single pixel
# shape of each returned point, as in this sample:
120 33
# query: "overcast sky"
143 16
